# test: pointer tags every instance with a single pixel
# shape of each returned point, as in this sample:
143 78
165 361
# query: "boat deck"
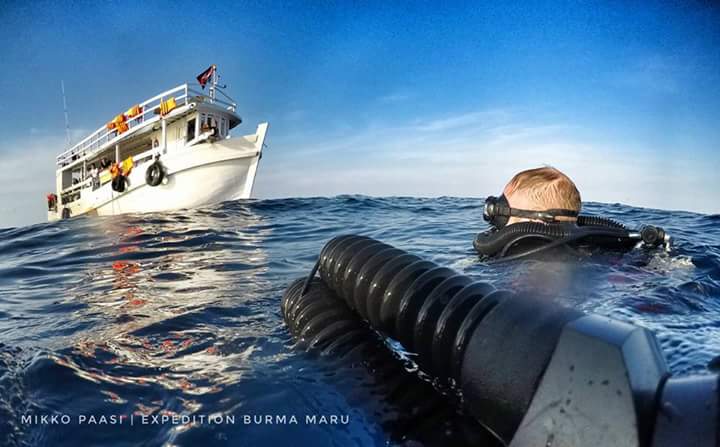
103 137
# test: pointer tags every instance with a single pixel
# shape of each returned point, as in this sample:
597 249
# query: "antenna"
213 82
65 110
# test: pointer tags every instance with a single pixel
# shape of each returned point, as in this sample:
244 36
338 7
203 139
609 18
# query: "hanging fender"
119 182
155 173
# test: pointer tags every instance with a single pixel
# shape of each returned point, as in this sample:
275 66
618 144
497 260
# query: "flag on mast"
205 76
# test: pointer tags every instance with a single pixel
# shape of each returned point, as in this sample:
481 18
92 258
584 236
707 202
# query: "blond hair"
547 187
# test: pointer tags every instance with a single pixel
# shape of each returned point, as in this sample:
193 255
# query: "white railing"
68 193
104 137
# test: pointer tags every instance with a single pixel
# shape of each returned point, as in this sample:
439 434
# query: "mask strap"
547 215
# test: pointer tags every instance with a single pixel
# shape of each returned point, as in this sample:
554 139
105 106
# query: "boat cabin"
175 120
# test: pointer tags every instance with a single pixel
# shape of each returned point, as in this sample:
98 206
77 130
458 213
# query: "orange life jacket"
133 111
117 122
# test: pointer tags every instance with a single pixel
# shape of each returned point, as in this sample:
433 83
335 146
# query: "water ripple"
178 313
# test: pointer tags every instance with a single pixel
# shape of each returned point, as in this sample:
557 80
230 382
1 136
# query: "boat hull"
196 186
195 176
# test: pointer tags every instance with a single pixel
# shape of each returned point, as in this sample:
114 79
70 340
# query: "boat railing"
138 160
103 136
72 193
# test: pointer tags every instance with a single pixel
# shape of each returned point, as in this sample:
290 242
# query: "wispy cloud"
662 74
295 115
474 154
28 174
467 154
480 118
75 135
395 97
403 137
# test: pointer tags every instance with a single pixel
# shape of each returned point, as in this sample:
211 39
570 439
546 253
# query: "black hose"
581 234
405 297
321 323
308 280
436 312
514 360
585 220
601 231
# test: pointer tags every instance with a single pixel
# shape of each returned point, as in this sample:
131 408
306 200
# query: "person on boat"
104 163
210 126
93 173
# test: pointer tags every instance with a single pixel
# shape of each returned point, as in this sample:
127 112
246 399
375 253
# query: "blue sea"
177 315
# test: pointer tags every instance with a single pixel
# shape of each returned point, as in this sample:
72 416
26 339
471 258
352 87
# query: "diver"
539 211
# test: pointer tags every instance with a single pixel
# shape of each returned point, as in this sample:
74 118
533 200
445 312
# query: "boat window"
190 130
223 127
209 124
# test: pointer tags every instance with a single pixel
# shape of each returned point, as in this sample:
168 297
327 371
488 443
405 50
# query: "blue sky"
388 98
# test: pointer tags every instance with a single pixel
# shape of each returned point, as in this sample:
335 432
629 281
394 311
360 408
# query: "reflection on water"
157 280
178 314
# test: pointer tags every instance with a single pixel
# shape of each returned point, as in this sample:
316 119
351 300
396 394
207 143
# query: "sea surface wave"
178 314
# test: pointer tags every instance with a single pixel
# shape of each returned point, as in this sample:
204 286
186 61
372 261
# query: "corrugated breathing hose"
530 371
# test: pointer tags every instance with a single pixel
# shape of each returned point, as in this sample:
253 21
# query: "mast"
65 110
213 82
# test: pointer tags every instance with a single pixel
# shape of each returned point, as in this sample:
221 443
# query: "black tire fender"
154 174
119 183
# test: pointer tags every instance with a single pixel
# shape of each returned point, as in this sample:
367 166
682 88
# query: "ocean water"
178 314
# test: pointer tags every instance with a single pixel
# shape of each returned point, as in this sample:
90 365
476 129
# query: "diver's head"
542 194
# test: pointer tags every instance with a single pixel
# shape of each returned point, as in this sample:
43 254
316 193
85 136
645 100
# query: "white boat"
170 152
